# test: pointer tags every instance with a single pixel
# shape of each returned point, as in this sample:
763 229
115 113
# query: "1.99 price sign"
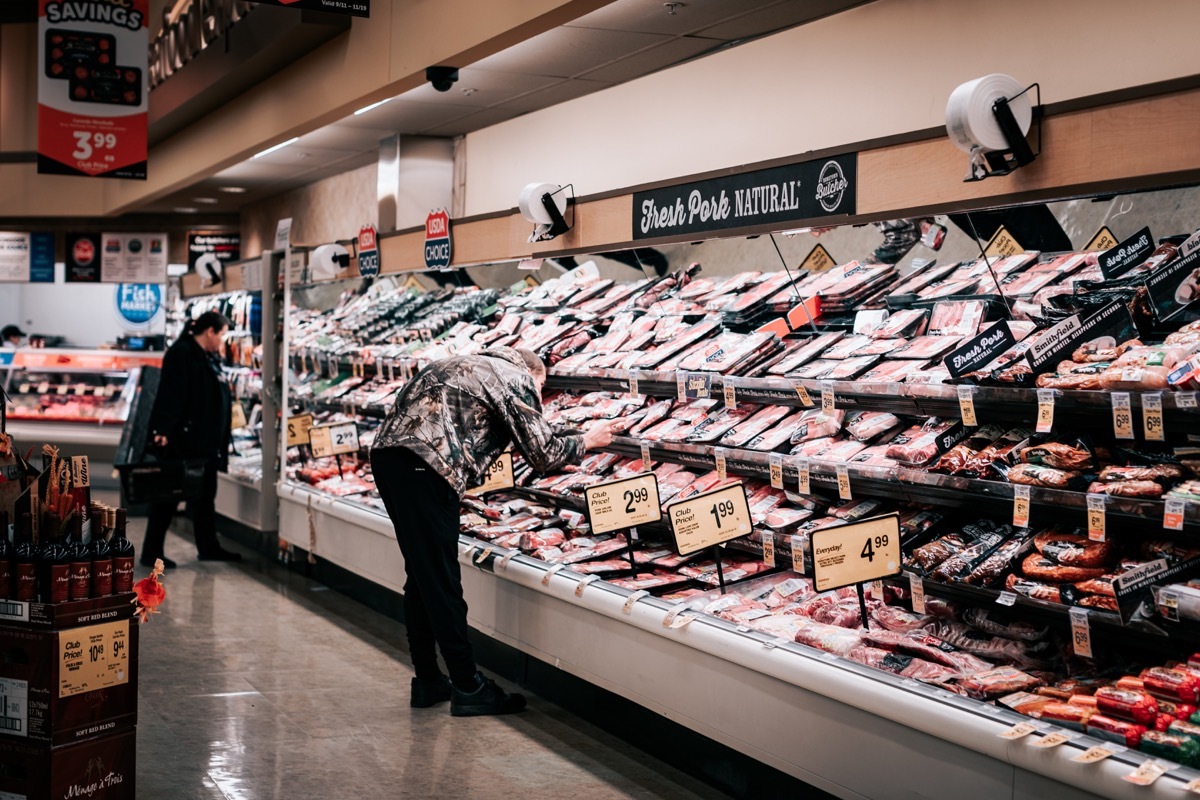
858 553
710 519
92 94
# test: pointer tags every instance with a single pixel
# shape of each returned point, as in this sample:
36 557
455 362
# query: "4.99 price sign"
92 95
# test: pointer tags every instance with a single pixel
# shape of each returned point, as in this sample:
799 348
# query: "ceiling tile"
651 16
472 122
659 57
489 88
553 95
564 52
405 116
776 17
344 137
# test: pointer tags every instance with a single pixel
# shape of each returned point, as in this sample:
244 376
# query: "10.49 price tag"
617 505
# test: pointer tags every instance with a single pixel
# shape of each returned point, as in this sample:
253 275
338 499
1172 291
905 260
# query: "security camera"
442 78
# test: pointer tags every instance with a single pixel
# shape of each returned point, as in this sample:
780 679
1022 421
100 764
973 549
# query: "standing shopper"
447 426
191 420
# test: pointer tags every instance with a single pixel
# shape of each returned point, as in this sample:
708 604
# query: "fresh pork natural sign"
825 187
92 97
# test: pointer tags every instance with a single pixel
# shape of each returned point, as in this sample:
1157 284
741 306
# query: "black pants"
202 509
424 510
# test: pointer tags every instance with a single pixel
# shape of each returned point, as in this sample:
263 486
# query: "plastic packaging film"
970 122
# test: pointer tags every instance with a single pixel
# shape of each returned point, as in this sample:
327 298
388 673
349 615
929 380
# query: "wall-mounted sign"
438 247
825 187
26 257
355 8
209 251
133 258
83 257
137 304
368 251
92 93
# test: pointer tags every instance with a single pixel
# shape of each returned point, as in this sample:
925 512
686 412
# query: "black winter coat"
193 404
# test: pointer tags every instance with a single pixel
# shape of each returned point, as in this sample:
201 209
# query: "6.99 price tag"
1122 415
1152 416
1095 515
1081 633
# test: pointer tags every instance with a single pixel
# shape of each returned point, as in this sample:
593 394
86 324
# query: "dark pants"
424 510
202 509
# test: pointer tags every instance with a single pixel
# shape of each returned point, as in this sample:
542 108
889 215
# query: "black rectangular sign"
980 350
1127 255
1059 341
353 8
1175 286
822 188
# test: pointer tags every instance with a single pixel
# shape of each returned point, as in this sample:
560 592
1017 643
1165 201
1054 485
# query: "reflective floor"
257 683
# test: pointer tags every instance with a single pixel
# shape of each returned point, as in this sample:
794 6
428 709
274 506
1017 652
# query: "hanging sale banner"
92 95
134 258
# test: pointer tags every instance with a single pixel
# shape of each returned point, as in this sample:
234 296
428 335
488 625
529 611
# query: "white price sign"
633 382
797 555
708 519
768 544
621 504
775 463
1045 415
1095 516
857 553
966 406
1152 416
719 457
916 587
1020 506
1122 415
1081 632
827 398
332 440
805 480
730 391
645 448
843 480
298 429
499 475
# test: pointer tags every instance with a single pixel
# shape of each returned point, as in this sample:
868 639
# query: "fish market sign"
779 195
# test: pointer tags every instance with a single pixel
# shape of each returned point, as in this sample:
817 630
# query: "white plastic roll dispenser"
973 121
547 217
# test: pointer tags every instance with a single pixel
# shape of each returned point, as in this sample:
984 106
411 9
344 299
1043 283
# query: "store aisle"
256 683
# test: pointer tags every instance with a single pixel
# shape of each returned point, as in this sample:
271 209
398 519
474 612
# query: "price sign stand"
716 554
856 554
705 521
623 505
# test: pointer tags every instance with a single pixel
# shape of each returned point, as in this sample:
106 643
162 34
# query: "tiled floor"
256 683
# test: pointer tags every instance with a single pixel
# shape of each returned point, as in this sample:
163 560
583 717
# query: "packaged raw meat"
1028 703
898 619
1163 473
830 638
1033 589
957 318
1117 378
845 348
867 425
777 437
996 682
717 424
1180 749
982 619
1058 455
1133 706
922 278
989 571
1183 727
1115 730
1066 715
1034 475
1074 549
904 665
928 556
902 324
890 372
746 430
982 464
918 445
960 565
992 648
923 645
814 424
926 348
1172 684
1039 568
806 352
1143 489
957 459
782 519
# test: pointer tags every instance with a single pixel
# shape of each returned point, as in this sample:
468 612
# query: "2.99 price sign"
857 553
621 504
708 519
92 95
333 440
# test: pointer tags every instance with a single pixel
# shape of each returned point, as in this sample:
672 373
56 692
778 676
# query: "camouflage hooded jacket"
458 415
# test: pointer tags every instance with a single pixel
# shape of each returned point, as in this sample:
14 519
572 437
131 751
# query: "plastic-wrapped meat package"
890 372
957 318
806 352
899 620
907 666
918 445
1003 449
854 510
929 556
915 521
667 426
670 486
993 648
781 519
1071 375
850 368
902 324
929 376
1140 489
845 347
949 288
840 452
959 565
989 571
677 343
746 430
921 278
759 294
655 413
1035 590
776 437
921 644
867 425
1035 475
815 370
762 504
610 299
925 348
718 423
1058 455
956 459
1015 629
547 537
1064 264
573 553
659 579
845 613
694 411
997 682
880 347
1134 378
829 638
1027 284
697 289
728 352
783 626
791 590
705 483
600 566
814 424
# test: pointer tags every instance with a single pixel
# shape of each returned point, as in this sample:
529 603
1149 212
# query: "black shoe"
426 694
487 700
220 555
149 562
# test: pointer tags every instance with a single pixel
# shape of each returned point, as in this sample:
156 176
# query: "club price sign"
708 519
334 440
859 553
498 476
621 504
92 97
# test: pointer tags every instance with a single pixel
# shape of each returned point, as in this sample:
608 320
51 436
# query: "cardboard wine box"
97 769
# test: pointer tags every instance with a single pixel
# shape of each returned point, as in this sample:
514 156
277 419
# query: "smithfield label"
368 250
438 248
821 188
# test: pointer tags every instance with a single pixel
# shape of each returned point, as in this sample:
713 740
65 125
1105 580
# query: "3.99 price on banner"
92 94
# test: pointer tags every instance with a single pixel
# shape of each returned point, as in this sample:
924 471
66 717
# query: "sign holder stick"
793 282
862 606
338 458
716 551
632 560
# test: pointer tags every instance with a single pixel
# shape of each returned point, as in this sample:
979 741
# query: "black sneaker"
488 699
426 694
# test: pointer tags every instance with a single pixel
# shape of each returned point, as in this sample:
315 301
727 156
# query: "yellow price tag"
237 416
1020 506
966 406
804 484
1095 516
646 462
1093 755
916 588
1020 730
719 458
776 470
1152 417
802 393
298 428
1045 416
1053 739
1103 240
1081 632
1122 415
768 544
843 479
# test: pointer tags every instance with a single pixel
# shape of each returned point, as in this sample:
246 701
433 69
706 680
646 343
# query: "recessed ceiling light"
206 201
365 109
279 146
232 189
185 210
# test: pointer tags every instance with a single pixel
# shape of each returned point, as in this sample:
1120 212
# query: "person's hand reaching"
598 436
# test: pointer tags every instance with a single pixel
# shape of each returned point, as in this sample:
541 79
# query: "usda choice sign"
438 247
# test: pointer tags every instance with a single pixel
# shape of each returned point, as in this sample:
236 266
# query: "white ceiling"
622 41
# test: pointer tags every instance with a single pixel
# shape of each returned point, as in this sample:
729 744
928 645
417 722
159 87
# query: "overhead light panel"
279 146
232 189
365 109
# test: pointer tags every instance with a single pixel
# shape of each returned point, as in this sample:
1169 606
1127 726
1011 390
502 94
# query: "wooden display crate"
97 769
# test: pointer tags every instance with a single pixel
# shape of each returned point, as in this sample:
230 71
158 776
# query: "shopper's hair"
536 367
208 321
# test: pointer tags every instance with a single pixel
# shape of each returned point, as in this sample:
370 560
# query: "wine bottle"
80 585
122 555
24 560
102 565
55 562
6 587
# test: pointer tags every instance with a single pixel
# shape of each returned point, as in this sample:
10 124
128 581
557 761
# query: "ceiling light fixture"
206 201
185 210
279 146
365 109
468 91
232 189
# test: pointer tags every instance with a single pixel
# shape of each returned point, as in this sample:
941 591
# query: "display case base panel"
242 502
824 721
